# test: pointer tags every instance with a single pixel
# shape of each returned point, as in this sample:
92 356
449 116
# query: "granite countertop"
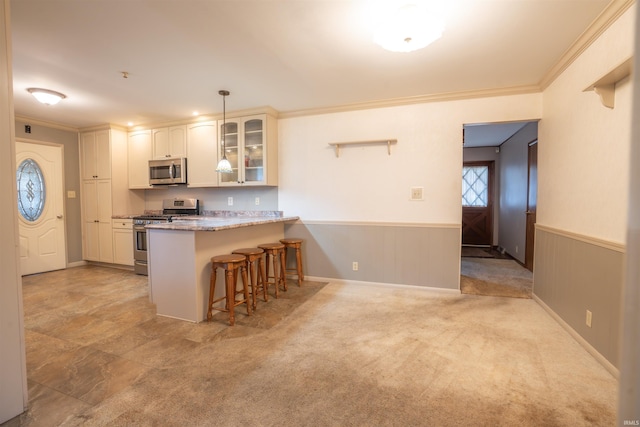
217 223
207 214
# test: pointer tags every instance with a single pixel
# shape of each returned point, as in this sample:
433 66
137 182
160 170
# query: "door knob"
59 216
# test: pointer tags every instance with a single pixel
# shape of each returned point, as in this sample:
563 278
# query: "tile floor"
91 332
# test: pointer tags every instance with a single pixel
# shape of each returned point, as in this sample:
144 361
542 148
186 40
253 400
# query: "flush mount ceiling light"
46 96
410 27
223 165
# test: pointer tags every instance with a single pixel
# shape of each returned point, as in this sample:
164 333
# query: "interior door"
532 203
40 207
477 203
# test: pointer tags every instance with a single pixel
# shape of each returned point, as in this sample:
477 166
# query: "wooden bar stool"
230 264
253 258
274 254
294 244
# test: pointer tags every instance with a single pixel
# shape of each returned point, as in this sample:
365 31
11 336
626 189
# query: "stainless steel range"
171 208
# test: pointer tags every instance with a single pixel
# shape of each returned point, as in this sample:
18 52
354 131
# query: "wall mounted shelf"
386 142
605 87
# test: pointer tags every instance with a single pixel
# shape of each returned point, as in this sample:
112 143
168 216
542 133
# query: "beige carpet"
377 356
495 277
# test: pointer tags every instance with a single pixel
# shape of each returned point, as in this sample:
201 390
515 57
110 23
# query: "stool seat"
230 264
253 256
295 244
227 259
248 251
291 241
274 254
271 246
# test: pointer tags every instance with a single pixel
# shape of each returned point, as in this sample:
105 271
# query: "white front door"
40 207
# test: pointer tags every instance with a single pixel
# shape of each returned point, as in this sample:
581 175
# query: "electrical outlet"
257 201
230 201
588 321
516 249
355 266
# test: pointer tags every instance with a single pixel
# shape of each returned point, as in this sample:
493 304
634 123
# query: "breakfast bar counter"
179 254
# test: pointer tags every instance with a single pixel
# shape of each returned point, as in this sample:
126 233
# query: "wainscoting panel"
412 254
573 274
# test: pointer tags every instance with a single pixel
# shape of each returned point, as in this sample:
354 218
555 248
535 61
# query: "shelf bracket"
605 87
388 142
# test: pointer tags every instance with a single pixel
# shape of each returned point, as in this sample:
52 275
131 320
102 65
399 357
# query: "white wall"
584 147
629 396
13 375
365 184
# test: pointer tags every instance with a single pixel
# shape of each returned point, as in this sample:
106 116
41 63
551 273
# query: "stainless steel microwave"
168 171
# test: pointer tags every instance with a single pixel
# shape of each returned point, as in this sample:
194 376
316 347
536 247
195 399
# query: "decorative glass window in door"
475 186
31 190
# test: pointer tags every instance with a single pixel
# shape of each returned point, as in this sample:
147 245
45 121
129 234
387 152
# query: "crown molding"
607 17
103 126
206 117
419 99
44 123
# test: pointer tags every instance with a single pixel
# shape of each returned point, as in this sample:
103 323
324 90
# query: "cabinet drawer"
123 223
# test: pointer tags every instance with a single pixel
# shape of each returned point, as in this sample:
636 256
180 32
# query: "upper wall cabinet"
251 147
169 142
202 154
139 150
95 155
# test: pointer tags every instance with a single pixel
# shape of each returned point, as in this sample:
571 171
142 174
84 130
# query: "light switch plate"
417 193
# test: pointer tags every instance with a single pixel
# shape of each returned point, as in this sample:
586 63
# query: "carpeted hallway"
321 355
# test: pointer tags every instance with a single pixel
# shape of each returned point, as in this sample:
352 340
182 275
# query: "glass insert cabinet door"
229 131
244 140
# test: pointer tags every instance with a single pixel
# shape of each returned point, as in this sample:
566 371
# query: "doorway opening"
498 200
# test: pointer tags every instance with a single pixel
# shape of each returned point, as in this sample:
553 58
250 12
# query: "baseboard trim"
599 357
381 284
101 264
76 264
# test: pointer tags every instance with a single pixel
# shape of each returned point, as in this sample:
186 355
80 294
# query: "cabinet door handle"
59 216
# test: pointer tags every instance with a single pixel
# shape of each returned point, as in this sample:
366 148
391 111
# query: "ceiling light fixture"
46 96
410 27
223 165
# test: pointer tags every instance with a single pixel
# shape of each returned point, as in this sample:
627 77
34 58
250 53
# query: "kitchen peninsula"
179 255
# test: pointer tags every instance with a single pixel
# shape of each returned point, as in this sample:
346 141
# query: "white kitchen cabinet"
139 154
104 190
202 154
123 241
97 236
251 146
169 142
95 154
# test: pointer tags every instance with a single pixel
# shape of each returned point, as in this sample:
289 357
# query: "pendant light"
223 165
